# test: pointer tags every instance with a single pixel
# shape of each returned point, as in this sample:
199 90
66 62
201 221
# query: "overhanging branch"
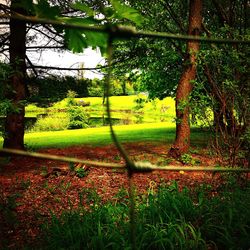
65 68
122 32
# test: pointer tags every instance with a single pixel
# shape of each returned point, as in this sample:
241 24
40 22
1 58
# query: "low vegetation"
73 113
165 219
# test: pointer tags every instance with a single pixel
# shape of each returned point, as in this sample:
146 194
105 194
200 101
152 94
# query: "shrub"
140 101
78 118
56 122
95 91
71 95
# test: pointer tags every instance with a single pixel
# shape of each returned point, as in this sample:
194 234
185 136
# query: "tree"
182 140
15 89
223 69
157 63
74 39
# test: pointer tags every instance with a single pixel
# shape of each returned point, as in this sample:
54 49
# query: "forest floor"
32 189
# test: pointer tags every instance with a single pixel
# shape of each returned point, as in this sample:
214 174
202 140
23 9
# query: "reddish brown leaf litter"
31 189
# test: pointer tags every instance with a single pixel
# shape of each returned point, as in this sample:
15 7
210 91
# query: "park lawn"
158 132
100 136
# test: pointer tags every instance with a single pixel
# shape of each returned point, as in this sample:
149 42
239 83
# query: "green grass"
168 219
100 136
116 102
162 132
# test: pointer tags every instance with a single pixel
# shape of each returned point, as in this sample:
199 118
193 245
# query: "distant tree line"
54 88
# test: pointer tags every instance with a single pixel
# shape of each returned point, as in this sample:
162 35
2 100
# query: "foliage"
77 39
96 89
140 101
71 95
124 107
81 172
221 98
54 88
187 159
51 122
77 115
7 209
5 104
154 63
167 219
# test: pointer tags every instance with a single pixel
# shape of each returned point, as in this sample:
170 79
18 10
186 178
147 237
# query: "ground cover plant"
46 204
165 219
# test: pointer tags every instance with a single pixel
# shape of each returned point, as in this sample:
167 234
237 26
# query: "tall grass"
168 219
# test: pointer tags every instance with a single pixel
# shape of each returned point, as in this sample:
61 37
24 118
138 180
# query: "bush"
96 91
56 122
140 101
77 117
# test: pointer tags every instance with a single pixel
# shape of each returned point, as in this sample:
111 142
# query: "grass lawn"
163 132
154 131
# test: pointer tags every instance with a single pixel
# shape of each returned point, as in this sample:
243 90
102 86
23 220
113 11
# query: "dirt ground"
30 188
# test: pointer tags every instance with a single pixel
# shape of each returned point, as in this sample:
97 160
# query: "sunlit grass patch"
161 132
99 136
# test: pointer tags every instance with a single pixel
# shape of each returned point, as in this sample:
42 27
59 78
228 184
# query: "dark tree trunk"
182 140
14 124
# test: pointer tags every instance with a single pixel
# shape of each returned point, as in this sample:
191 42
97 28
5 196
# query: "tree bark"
182 140
15 89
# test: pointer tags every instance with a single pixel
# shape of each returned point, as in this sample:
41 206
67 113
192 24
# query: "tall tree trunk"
14 124
182 140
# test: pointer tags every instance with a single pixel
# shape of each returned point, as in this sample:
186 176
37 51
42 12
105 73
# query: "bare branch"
45 47
66 68
31 66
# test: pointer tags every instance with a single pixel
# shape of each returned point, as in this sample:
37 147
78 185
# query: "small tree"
182 140
77 115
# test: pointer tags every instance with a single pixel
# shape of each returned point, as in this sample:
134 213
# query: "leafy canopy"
76 39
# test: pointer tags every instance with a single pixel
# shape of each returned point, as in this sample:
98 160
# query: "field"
47 204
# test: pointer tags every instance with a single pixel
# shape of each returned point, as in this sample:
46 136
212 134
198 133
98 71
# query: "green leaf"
78 39
125 11
84 8
108 12
44 10
75 40
96 39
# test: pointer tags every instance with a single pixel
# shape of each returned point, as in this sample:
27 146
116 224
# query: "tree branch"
45 47
65 68
175 17
46 35
31 66
221 13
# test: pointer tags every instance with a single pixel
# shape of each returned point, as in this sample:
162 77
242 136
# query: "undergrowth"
166 219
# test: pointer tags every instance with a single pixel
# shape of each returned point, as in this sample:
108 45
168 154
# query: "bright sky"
88 59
